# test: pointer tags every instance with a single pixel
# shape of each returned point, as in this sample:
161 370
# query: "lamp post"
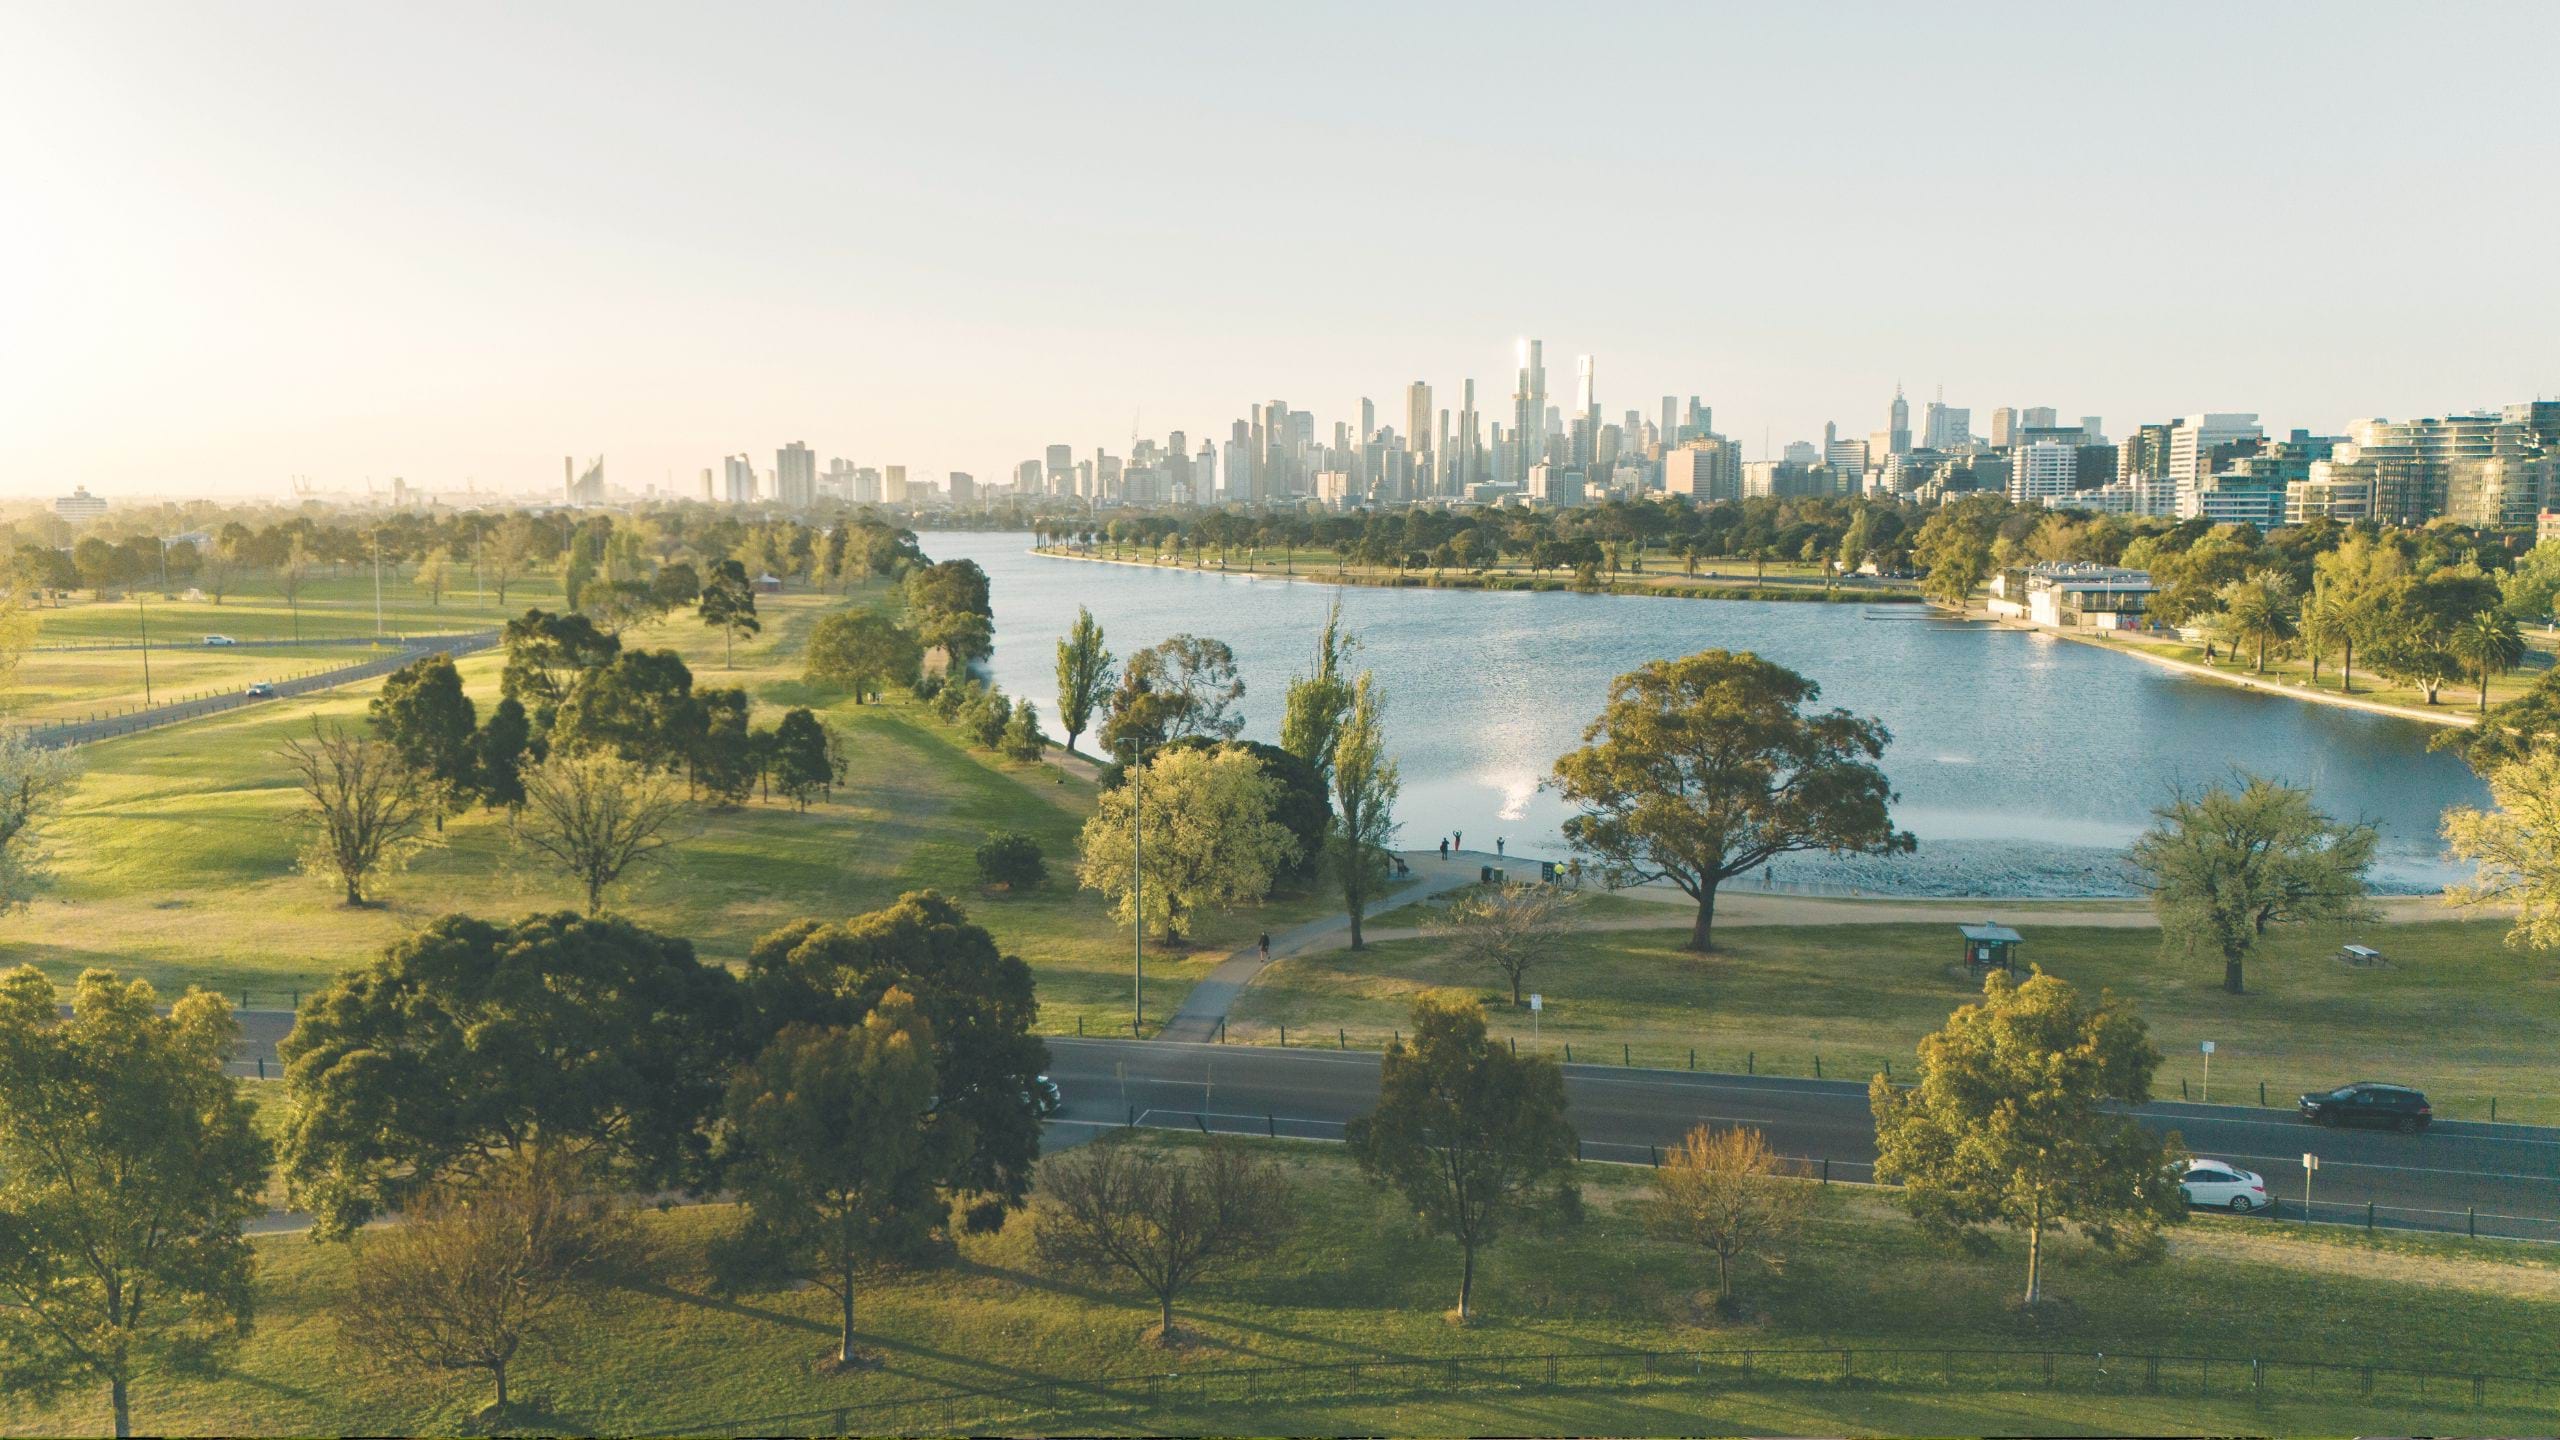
143 618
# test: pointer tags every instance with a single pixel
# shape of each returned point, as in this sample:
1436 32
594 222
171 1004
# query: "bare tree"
1722 1191
596 815
1509 928
369 808
1116 1205
473 1278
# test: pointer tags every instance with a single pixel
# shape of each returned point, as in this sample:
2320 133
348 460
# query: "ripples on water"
2025 763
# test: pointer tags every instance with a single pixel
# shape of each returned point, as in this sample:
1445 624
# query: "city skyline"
502 239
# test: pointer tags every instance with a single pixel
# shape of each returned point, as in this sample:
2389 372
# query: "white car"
220 640
2214 1185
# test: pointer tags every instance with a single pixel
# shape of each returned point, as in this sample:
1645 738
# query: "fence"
1056 1403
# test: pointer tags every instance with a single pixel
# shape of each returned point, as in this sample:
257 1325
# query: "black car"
2381 1107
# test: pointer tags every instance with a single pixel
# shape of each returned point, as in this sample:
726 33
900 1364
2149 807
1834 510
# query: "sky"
245 242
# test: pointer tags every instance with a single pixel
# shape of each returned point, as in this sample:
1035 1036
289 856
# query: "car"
220 640
1044 1096
2369 1103
2219 1185
262 691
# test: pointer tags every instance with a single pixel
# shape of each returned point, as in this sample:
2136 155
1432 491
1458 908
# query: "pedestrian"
1458 838
1444 849
1265 944
1497 847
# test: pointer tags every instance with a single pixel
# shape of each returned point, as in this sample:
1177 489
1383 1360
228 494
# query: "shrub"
1013 861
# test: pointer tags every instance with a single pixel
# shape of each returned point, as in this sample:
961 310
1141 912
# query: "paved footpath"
1207 1004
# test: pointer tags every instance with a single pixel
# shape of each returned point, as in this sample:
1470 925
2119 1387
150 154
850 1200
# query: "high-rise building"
2480 469
1944 427
2004 427
795 476
1529 410
2191 451
706 484
1898 429
1707 468
1670 421
1060 469
738 477
2043 470
1470 436
1417 416
588 486
1586 404
2036 417
893 486
963 487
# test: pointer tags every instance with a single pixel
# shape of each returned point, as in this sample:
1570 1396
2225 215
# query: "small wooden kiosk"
1990 946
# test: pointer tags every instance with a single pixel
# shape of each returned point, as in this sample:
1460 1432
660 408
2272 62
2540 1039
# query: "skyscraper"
795 476
1586 405
738 475
1417 418
1470 462
1898 431
1529 410
2004 427
1670 421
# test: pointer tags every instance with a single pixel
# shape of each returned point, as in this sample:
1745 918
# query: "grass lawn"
2456 1013
175 855
1355 1283
2461 696
330 603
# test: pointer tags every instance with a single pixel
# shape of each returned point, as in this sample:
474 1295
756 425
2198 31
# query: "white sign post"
2208 1072
2310 1162
1536 1004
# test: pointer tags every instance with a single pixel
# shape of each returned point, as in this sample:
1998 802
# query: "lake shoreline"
1523 584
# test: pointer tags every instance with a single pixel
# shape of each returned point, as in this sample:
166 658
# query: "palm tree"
2259 610
2487 642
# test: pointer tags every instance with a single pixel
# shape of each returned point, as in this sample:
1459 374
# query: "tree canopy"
2224 865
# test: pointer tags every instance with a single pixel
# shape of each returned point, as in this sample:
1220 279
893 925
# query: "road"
83 731
2508 1174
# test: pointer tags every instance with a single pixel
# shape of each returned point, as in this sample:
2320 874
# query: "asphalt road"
2508 1174
81 732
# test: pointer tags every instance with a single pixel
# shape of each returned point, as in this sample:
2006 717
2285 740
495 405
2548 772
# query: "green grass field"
2457 1013
1355 1283
176 855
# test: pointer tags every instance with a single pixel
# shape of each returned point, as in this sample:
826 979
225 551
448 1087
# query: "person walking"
1458 838
1444 849
1265 945
1497 847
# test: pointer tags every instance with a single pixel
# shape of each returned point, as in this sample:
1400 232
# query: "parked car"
261 691
220 640
2219 1185
2369 1103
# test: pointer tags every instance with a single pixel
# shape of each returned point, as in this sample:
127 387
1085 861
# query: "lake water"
2025 763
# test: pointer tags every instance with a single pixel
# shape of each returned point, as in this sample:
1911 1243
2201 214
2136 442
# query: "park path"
1205 1008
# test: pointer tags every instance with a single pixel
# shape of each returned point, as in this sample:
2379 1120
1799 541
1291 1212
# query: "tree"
17 633
1022 738
2018 1120
1012 860
1180 687
2412 655
595 815
1118 1205
128 1165
1473 1135
299 562
1365 787
1509 929
1722 1191
833 1149
469 1041
862 652
2489 642
1319 703
474 1276
981 1007
726 757
640 705
367 808
2361 578
728 604
2515 847
1207 838
430 723
1707 768
807 762
33 781
2326 627
1954 548
949 605
2223 866
498 754
677 583
1084 672
2259 610
433 573
546 654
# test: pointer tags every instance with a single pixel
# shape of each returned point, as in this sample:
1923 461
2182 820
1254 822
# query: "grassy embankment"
2462 697
1354 1283
176 852
1663 576
2456 1011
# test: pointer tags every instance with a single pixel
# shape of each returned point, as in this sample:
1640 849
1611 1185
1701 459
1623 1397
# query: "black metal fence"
1093 1403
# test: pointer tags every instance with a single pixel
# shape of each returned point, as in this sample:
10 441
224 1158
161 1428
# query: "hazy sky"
242 242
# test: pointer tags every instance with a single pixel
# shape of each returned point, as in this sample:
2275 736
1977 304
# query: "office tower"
1060 469
706 483
2478 469
2004 427
1204 474
963 487
1026 478
1417 416
2191 456
1801 453
1898 430
1847 459
1670 420
2043 470
795 470
1945 427
1701 421
1368 418
1529 409
2096 432
2036 417
1470 463
738 474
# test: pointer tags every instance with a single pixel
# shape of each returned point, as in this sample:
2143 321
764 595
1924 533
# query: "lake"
2025 763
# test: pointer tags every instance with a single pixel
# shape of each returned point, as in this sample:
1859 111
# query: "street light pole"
143 616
